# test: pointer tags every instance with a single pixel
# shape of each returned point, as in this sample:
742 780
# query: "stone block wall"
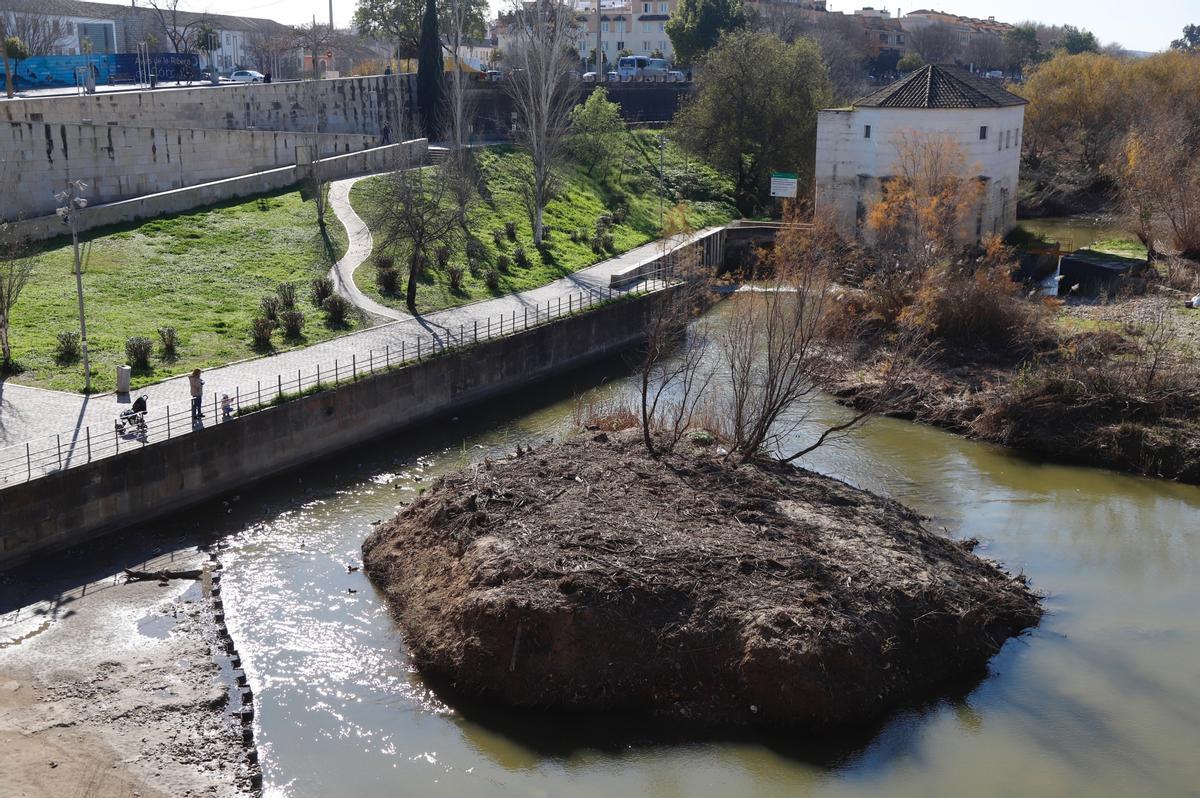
119 162
77 505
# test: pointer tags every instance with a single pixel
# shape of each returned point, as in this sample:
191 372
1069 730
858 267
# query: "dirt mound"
586 576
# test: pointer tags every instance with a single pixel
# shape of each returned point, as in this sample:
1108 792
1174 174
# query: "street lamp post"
69 213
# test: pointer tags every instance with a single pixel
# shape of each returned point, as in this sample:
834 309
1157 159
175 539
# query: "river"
1103 698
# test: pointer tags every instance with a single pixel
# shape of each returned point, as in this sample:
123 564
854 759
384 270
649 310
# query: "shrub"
138 350
320 290
597 244
443 257
388 281
522 257
985 308
498 237
337 310
510 230
492 280
575 236
503 262
474 267
603 223
293 323
474 249
606 241
619 215
583 235
385 262
260 332
170 342
270 307
456 274
287 295
67 348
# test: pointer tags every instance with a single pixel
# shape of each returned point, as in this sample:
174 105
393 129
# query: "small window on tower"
983 133
867 132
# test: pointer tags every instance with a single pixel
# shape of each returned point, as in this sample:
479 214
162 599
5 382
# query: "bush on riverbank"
588 576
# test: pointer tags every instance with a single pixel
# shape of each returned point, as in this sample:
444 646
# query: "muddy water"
1075 232
1102 699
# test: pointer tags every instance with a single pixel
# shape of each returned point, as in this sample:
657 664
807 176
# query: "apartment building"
638 26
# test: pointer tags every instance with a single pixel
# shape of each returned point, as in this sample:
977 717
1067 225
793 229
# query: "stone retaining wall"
363 162
80 504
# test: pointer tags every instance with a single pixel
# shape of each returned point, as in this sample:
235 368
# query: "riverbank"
1116 387
112 691
587 576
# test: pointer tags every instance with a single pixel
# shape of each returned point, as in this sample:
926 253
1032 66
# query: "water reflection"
1102 699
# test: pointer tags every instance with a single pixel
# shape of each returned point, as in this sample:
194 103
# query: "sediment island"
588 576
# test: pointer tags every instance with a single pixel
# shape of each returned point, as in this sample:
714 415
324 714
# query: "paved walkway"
357 252
52 419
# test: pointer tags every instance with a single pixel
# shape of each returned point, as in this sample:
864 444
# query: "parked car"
639 67
492 75
611 76
247 76
675 76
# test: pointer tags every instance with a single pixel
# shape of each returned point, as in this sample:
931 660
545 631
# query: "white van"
634 67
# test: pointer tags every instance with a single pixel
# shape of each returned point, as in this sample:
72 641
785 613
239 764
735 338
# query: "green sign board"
783 184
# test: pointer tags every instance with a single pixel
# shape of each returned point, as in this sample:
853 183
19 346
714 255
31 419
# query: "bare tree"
178 25
1159 180
542 90
936 44
40 33
777 355
459 17
674 376
418 215
986 52
314 38
16 267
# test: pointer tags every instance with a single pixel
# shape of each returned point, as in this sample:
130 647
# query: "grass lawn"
581 200
201 272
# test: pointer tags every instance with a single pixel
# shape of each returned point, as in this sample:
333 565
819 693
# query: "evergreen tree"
429 71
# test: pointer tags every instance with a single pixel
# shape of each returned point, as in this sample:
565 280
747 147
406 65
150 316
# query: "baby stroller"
134 418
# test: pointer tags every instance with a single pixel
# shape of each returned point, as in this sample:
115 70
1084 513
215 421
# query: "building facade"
636 26
858 146
76 27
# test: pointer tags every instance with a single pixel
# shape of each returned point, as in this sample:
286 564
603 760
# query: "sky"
1142 25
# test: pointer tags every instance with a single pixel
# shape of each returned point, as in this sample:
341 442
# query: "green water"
1076 232
1102 699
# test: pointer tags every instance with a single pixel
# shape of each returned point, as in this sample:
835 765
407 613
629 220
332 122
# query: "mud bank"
585 576
111 689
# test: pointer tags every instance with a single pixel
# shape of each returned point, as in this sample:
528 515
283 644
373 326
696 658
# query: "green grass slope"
201 272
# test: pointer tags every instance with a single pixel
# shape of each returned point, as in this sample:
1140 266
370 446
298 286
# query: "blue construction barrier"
54 71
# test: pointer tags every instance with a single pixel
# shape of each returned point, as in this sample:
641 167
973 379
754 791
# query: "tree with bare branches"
777 354
314 38
178 25
420 214
936 44
1159 180
674 375
41 33
16 267
543 90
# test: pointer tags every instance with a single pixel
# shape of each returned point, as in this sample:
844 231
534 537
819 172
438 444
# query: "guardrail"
50 454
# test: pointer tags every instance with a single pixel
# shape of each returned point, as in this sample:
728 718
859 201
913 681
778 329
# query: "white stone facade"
852 162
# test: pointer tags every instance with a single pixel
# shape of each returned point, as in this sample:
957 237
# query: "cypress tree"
429 71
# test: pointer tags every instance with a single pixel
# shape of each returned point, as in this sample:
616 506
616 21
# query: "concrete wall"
120 162
850 165
77 505
344 105
363 162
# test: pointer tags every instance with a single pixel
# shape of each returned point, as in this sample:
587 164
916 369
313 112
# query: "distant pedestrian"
197 386
226 407
267 78
387 70
387 132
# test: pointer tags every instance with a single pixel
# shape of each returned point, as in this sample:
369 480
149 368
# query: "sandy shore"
111 689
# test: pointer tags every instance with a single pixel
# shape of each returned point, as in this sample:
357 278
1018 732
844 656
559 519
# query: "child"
226 407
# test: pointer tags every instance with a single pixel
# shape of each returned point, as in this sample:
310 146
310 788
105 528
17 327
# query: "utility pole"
330 17
601 73
69 213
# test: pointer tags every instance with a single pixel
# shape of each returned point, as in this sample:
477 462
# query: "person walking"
197 386
387 132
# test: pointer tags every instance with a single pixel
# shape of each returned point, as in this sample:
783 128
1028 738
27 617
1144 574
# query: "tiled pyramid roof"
936 86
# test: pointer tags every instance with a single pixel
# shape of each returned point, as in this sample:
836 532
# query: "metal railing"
49 454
